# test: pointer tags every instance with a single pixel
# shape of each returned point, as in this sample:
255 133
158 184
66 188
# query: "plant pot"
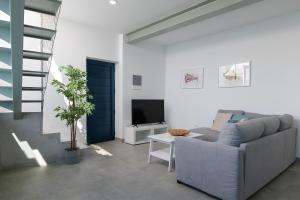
72 156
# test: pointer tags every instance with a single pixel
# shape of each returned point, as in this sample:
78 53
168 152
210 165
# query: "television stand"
139 134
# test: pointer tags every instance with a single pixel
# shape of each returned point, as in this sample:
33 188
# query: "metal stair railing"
48 25
47 65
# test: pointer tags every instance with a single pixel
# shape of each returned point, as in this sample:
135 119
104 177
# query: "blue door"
101 83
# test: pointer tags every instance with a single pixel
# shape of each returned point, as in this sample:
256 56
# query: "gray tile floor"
125 175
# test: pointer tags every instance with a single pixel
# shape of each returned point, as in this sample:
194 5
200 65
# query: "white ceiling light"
113 2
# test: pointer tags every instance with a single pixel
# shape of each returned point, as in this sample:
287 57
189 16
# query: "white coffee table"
166 154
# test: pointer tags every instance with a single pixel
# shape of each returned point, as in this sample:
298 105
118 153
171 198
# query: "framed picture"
192 79
236 75
136 82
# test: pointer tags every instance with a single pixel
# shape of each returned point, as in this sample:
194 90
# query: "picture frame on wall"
192 78
136 82
235 75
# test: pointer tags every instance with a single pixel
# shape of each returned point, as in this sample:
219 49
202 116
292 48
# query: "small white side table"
166 154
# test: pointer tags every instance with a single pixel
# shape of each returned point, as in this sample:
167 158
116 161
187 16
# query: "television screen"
147 111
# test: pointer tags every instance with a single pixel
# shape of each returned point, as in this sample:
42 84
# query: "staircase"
22 145
26 48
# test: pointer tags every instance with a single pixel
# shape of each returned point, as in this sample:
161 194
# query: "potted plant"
77 95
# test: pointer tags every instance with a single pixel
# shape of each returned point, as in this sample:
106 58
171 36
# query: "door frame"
113 89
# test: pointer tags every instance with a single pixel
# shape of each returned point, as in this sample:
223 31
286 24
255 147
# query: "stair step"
34 73
32 101
36 55
6 93
6 100
5 61
38 32
3 69
52 136
4 24
5 49
33 88
6 86
49 7
6 106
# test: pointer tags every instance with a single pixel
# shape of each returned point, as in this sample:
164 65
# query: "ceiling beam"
205 9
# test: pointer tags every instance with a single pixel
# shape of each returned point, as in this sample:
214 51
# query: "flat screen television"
147 111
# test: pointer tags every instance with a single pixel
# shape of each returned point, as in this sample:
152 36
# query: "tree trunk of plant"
73 136
74 125
71 139
75 130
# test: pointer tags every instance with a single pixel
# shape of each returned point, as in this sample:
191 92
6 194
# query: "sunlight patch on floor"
100 150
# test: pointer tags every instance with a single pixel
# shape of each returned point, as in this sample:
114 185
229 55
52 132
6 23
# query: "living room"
183 76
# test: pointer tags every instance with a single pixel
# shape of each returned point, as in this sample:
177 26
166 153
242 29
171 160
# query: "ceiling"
124 17
129 15
241 17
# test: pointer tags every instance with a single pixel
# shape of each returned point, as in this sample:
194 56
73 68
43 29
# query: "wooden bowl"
178 132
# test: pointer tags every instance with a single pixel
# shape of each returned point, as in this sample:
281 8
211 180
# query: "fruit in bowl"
178 132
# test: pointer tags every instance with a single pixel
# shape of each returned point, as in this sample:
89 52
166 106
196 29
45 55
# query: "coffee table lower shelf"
166 154
163 154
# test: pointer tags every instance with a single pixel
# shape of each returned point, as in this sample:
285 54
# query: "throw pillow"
238 118
220 120
230 135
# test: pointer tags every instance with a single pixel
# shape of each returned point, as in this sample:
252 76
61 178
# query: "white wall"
147 60
74 43
272 46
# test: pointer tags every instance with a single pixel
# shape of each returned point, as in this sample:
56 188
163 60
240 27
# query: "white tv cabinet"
139 134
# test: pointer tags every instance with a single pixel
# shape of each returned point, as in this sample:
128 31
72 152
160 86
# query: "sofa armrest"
210 166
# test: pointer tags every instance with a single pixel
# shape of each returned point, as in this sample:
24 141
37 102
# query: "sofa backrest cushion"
250 129
220 120
236 134
255 115
271 125
241 112
286 122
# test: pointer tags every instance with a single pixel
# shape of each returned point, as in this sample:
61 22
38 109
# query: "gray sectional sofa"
238 160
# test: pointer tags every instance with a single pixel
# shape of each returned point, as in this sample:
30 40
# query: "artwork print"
236 75
136 82
192 79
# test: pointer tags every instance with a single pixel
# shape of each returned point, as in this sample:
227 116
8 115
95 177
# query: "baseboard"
119 139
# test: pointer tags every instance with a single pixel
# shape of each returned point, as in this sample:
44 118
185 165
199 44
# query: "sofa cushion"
236 134
209 134
213 137
204 130
255 115
286 122
250 129
241 112
271 125
220 120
